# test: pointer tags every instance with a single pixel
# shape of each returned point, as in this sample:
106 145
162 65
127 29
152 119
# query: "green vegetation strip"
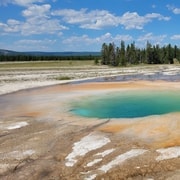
63 78
45 64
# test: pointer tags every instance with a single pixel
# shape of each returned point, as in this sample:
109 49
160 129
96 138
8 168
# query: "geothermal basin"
66 132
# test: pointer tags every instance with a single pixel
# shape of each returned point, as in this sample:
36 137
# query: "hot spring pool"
131 104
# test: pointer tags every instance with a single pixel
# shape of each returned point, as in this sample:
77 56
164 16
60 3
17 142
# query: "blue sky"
84 25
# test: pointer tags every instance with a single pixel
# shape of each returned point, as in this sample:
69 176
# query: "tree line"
113 55
4 58
130 54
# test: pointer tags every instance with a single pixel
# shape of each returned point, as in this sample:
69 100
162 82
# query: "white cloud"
175 10
157 16
40 19
151 38
37 11
13 25
85 40
42 26
2 26
132 20
116 39
32 44
98 19
32 26
37 21
175 37
20 2
35 41
95 19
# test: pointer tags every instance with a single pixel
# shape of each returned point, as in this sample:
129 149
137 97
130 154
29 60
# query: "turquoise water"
130 104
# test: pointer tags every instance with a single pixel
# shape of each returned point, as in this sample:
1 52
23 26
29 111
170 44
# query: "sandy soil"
41 139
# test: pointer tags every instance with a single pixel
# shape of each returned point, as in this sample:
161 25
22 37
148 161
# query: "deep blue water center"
129 104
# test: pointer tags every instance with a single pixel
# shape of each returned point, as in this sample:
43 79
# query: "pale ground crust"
41 139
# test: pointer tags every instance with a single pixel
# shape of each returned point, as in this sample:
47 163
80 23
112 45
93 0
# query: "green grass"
63 78
45 64
77 64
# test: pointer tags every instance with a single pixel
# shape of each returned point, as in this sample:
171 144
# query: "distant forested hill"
39 53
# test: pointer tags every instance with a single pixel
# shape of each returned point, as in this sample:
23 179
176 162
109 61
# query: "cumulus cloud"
98 19
35 41
175 37
85 39
84 42
37 10
39 18
29 27
20 2
43 26
33 44
37 21
94 19
131 20
157 16
154 39
174 9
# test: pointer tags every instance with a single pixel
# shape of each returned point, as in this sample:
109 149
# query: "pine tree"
104 54
123 61
112 54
